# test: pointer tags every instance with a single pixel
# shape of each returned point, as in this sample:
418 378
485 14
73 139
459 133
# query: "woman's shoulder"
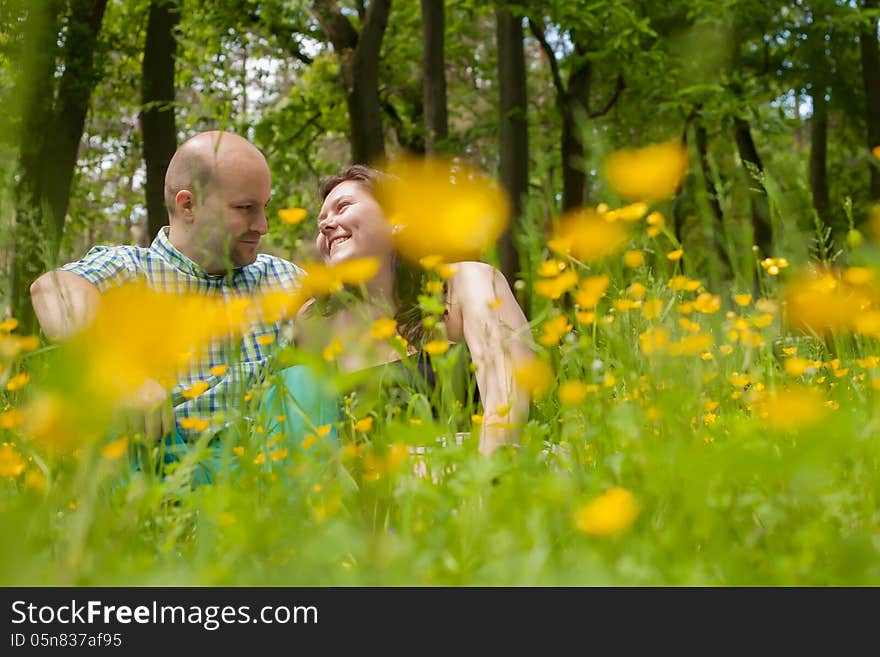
475 280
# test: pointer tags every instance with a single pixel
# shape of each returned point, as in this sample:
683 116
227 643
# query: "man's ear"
184 202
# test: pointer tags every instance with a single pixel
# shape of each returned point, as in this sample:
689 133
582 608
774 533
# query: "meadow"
680 433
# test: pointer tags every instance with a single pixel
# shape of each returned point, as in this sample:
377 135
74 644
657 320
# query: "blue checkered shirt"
166 269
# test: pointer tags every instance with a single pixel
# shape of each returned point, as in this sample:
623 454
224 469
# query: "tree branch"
538 30
335 25
618 89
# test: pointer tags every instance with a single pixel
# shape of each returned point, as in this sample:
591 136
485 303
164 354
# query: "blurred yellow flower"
692 345
742 300
675 255
292 216
35 480
332 350
219 370
592 289
774 265
821 302
363 425
462 210
116 449
655 339
434 287
795 408
550 268
18 381
265 339
632 212
652 173
11 462
707 303
8 325
535 378
637 291
553 330
383 328
194 423
656 222
633 259
588 236
553 288
611 513
876 152
196 390
572 393
436 347
321 279
651 308
796 366
11 419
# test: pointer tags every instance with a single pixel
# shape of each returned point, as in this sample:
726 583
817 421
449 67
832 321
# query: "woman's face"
351 225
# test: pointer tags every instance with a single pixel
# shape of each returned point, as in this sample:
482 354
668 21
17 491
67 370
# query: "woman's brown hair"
408 280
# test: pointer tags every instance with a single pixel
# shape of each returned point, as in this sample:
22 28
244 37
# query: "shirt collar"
163 246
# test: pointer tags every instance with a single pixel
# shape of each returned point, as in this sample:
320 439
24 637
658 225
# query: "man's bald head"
217 188
200 160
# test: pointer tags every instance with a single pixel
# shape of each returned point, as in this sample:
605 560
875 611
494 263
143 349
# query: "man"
217 188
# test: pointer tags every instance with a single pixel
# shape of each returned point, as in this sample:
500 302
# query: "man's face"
231 218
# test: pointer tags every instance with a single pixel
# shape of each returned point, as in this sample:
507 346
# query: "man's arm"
64 303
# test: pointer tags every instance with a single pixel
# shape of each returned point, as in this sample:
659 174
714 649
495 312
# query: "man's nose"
261 224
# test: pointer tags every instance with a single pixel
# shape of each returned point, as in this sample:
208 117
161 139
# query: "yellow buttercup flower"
219 370
553 330
194 423
588 236
383 328
652 173
11 462
792 409
363 425
18 381
592 289
436 347
292 216
633 259
675 255
742 300
115 450
572 393
196 390
553 288
535 377
463 210
611 513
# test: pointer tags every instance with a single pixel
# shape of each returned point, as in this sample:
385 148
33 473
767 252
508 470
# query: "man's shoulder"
277 267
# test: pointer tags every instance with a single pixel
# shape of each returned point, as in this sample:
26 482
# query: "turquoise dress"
302 401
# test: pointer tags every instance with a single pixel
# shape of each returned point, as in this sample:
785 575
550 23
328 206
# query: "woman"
480 309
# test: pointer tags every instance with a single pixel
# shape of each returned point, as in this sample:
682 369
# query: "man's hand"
152 413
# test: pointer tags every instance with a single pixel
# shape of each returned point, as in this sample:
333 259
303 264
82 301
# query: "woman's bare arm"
484 312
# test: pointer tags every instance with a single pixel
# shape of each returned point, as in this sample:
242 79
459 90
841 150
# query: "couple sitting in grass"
217 188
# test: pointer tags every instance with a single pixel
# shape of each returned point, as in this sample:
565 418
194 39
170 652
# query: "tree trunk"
434 74
715 225
819 155
748 153
51 135
870 53
359 61
513 128
157 116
